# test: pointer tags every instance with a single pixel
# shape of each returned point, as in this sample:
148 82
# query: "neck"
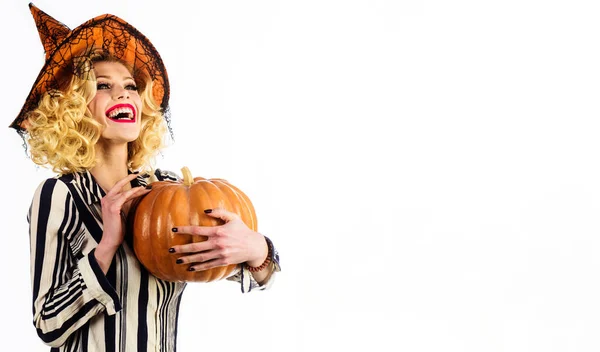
111 165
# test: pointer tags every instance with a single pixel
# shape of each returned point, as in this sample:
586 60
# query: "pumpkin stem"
188 180
153 177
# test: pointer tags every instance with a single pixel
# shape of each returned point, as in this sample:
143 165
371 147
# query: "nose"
120 93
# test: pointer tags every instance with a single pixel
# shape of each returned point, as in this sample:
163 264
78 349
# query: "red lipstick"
122 113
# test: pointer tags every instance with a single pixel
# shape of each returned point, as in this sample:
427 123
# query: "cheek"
92 107
95 107
137 101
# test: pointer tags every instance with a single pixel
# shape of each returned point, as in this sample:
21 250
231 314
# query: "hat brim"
111 35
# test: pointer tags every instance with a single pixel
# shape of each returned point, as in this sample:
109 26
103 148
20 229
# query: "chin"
121 138
132 137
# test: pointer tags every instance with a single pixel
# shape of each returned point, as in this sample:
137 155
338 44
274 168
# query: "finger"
198 258
208 265
139 191
117 202
192 247
132 193
207 231
119 185
222 214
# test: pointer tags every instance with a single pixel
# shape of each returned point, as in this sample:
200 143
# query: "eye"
131 87
100 86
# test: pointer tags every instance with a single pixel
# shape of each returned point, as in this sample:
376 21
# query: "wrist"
263 261
104 247
264 253
104 254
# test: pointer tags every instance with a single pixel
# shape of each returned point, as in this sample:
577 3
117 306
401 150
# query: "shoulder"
57 184
51 191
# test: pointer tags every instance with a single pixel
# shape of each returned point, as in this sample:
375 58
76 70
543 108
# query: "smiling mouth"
121 113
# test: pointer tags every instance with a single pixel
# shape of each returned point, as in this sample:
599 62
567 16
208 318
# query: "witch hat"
106 33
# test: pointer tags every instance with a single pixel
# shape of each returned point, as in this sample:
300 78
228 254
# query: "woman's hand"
113 204
230 243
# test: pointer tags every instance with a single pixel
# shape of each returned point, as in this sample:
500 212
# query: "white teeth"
123 110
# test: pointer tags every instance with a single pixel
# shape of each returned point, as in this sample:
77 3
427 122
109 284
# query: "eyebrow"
110 77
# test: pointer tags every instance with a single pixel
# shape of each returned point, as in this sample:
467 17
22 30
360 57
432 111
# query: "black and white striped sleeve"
68 288
247 281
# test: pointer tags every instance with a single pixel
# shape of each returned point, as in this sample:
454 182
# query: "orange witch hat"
106 33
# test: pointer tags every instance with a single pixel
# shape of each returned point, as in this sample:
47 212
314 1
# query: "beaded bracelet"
267 261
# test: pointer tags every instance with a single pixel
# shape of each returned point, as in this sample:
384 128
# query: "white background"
427 169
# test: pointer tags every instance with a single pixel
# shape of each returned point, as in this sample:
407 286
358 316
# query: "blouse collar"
91 190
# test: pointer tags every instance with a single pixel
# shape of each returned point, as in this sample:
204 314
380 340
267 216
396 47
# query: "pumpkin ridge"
181 210
170 238
165 195
144 248
247 209
219 272
199 197
189 275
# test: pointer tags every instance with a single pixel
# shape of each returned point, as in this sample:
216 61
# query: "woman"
97 115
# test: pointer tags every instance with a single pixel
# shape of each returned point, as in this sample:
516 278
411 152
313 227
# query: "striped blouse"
76 307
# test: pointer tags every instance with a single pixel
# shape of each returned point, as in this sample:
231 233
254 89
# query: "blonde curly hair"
62 133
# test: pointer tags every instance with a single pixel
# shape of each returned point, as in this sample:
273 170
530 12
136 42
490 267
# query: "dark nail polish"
208 211
179 261
191 268
149 187
171 250
174 229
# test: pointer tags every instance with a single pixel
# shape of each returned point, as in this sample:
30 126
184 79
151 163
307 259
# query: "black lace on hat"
107 34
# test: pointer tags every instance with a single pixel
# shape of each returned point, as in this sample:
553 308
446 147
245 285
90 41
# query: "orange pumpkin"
172 204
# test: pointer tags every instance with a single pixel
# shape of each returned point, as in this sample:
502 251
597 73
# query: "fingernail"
179 261
174 229
191 268
207 211
149 187
171 250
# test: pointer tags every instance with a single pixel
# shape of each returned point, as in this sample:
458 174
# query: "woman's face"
117 104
